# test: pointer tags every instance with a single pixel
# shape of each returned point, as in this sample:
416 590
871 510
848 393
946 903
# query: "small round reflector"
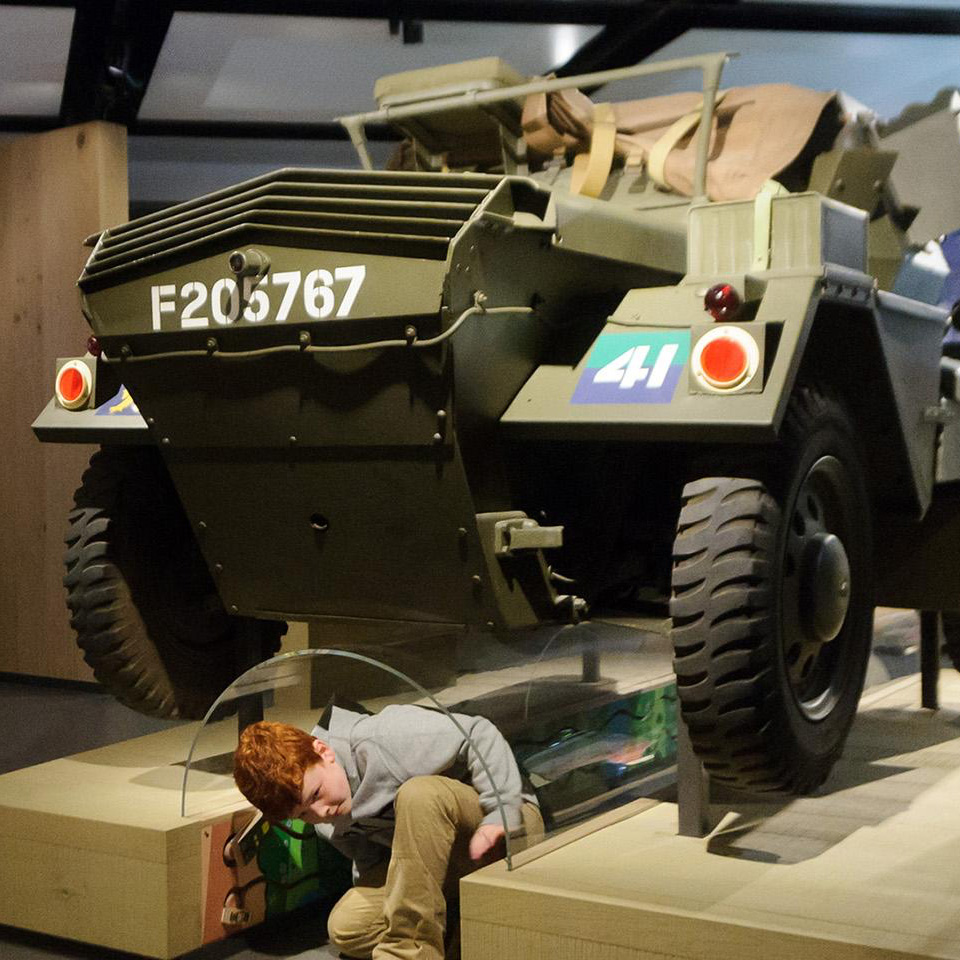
93 346
74 384
724 359
721 301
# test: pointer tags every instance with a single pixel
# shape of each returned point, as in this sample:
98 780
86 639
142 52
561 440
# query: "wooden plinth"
870 869
55 189
93 847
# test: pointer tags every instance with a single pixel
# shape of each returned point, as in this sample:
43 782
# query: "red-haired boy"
405 796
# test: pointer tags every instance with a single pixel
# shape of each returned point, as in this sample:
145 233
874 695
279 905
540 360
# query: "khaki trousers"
399 911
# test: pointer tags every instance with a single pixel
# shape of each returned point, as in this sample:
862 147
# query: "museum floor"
46 722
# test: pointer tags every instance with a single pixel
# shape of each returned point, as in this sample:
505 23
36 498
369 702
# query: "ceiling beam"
823 17
23 123
751 14
113 51
381 132
232 130
503 11
626 41
86 74
746 15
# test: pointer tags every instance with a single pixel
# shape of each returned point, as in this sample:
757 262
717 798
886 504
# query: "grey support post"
929 658
693 788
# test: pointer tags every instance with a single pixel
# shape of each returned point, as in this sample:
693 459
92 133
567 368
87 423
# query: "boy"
405 796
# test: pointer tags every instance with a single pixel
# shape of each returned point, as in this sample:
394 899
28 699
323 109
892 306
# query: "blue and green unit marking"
637 366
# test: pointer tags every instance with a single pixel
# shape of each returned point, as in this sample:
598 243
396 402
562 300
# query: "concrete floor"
43 722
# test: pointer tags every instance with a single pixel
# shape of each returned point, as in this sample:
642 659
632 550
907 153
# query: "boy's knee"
421 791
347 932
422 801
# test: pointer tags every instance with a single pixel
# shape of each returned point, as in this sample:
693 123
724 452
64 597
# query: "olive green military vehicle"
564 357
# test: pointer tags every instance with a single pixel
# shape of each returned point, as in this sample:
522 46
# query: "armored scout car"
565 356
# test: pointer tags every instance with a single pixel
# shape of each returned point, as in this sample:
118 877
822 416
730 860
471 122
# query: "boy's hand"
487 838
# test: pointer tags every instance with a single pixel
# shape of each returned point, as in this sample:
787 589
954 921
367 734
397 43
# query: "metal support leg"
590 672
929 658
248 652
693 788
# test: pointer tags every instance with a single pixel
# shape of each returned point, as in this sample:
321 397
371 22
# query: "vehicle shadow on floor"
892 758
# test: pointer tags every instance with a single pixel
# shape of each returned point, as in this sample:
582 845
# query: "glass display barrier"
588 709
288 689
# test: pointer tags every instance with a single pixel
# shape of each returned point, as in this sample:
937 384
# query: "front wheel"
146 612
772 606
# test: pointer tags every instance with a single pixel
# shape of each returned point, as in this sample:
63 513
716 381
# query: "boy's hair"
269 764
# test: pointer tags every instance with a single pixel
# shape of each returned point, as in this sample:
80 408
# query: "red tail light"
725 358
724 361
722 302
74 384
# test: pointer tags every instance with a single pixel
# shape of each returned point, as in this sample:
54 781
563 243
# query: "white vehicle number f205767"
322 293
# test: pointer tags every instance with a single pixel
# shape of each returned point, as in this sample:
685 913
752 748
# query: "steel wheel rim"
816 574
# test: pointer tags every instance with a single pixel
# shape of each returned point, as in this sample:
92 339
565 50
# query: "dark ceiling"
115 44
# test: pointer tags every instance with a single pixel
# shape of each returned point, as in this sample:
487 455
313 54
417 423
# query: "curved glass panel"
595 718
326 688
588 710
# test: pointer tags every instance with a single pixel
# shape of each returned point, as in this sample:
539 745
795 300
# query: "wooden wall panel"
55 189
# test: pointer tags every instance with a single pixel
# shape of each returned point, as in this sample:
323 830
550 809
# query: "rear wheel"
147 615
772 606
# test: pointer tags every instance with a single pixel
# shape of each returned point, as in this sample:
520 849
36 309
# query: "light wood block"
93 847
55 189
869 869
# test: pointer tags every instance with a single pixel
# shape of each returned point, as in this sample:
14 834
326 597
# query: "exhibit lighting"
565 40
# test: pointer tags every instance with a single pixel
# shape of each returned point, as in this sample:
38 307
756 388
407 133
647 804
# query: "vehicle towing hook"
522 533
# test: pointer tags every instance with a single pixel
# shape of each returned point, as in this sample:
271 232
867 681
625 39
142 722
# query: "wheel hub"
817 588
825 586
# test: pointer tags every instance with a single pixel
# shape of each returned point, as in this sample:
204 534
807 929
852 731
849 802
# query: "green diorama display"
568 356
254 871
589 757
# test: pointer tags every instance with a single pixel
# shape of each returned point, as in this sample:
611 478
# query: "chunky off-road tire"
772 606
142 602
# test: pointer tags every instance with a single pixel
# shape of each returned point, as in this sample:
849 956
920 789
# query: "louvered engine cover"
340 245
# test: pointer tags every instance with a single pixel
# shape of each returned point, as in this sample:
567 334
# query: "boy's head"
286 773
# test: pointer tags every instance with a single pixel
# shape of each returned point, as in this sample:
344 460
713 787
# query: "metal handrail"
710 65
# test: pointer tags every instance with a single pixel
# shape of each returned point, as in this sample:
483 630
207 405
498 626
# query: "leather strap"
657 161
763 223
591 169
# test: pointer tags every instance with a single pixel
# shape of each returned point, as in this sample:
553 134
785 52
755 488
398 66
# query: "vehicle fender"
878 350
883 357
588 399
116 420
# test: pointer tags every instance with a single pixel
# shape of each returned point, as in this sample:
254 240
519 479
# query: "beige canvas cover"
757 132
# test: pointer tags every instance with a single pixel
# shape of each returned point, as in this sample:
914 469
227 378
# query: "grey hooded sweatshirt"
382 751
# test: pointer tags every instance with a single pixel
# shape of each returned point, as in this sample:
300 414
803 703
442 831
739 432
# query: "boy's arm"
415 741
495 750
364 853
